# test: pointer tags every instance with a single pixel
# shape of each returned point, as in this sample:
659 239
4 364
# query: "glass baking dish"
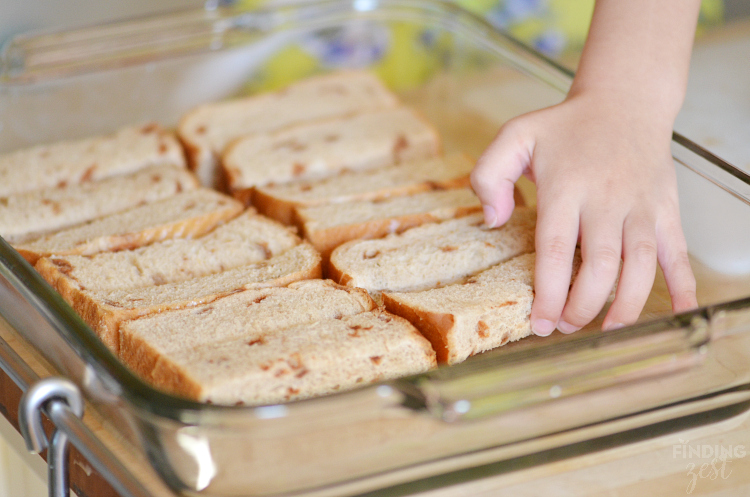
525 403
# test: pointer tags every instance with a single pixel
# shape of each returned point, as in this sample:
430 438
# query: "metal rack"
61 401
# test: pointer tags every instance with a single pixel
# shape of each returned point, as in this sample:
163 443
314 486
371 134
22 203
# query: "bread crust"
433 326
331 271
231 172
201 163
246 196
98 315
174 379
268 205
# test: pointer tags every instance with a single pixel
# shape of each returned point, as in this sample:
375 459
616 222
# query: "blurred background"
555 27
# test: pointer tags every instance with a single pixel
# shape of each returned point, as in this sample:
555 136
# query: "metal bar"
58 481
42 393
72 427
121 480
33 402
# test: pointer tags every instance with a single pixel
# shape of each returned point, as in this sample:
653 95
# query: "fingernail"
542 327
490 216
567 327
614 326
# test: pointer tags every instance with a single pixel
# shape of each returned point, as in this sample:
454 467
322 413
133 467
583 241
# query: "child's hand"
605 178
603 170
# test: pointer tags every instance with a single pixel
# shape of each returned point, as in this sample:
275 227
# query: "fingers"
642 246
674 262
578 196
498 170
556 235
638 270
601 246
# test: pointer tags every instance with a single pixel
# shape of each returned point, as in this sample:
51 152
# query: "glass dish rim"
146 398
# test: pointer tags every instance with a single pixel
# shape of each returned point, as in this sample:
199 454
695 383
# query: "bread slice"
145 342
487 311
29 215
300 362
248 238
362 141
279 201
328 226
184 215
484 312
432 255
91 159
103 311
206 130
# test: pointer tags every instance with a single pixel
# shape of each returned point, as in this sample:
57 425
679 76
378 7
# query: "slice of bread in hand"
300 362
184 215
90 159
206 130
105 310
362 141
487 311
248 238
432 255
29 215
147 343
328 226
279 201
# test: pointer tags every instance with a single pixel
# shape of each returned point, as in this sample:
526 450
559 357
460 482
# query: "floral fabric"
405 54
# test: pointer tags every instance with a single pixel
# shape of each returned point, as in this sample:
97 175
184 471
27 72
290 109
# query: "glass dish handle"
40 56
500 382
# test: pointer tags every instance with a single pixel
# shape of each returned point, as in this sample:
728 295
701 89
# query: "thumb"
497 170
